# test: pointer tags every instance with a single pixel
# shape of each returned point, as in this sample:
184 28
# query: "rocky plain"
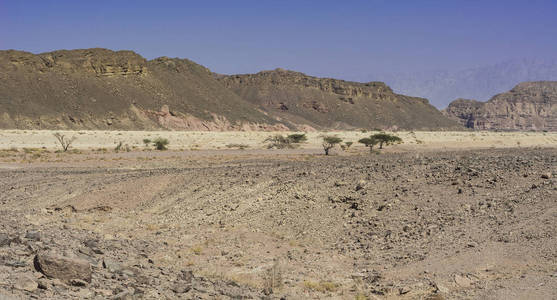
408 223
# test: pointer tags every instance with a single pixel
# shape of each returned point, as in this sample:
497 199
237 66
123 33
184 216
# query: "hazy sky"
325 38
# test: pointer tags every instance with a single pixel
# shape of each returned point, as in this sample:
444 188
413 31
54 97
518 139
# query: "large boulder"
66 269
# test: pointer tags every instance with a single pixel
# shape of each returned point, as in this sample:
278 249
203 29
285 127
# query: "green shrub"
118 147
160 143
297 138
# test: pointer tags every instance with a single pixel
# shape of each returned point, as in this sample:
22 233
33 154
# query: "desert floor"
444 215
203 140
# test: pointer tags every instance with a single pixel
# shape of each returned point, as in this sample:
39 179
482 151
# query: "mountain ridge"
323 102
103 89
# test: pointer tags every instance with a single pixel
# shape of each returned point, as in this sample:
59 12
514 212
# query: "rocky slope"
528 106
104 89
333 103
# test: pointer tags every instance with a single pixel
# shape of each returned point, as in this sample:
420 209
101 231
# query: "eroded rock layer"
333 103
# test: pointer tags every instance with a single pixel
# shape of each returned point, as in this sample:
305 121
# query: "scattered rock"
26 283
112 266
125 295
181 288
77 282
463 281
33 235
66 269
546 175
44 284
5 240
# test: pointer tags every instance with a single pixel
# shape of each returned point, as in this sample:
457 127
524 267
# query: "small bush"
147 142
197 250
64 142
272 279
322 286
118 147
237 146
160 143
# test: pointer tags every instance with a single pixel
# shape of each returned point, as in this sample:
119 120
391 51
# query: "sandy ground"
254 140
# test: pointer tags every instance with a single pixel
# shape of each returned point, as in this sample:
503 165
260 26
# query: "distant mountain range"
480 83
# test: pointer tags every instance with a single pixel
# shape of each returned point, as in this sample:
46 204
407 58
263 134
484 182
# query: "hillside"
109 90
528 106
331 103
104 89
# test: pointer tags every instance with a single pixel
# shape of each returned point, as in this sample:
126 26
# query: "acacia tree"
385 139
64 142
329 143
297 138
281 142
369 142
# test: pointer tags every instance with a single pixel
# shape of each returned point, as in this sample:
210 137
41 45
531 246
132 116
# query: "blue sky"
345 39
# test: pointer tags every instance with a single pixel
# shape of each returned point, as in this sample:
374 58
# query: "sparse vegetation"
237 146
147 142
322 286
121 146
291 141
197 250
160 143
369 142
272 280
118 147
386 139
297 138
65 143
329 143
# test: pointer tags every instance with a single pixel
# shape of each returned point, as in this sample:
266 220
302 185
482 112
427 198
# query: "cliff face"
528 106
331 103
104 89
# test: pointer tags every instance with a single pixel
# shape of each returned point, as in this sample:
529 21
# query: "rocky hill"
528 106
332 103
104 89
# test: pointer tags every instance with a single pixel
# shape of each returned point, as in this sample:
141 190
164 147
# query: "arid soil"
293 224
199 140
